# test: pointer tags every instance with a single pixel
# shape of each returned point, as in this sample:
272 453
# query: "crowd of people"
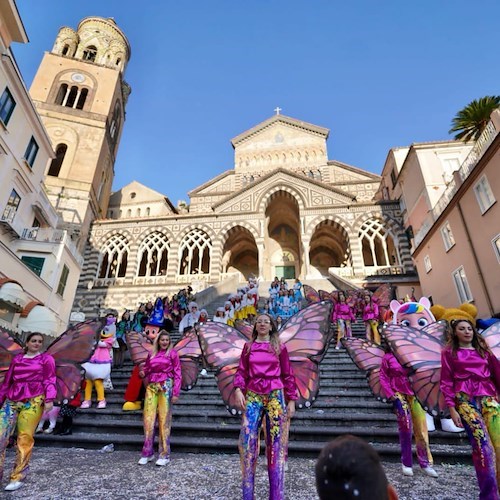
266 390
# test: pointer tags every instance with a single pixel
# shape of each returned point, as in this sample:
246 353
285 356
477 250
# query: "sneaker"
407 471
13 486
86 404
50 430
430 471
101 404
162 461
145 460
204 373
337 347
39 430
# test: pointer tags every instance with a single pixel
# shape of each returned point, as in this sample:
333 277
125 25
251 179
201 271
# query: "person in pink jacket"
343 315
370 317
470 383
162 370
265 388
28 388
396 387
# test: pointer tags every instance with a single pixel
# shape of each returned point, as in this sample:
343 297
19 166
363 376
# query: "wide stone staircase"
201 423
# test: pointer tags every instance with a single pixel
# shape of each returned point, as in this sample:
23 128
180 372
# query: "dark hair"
349 468
478 341
30 336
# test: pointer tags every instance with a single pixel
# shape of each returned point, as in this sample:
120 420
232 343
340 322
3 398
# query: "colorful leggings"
480 417
271 406
158 400
408 412
372 331
27 414
343 329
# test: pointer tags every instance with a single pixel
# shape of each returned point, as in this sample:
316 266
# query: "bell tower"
80 93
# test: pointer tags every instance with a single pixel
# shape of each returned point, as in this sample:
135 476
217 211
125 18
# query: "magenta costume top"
469 373
30 377
163 366
261 371
370 311
394 376
343 311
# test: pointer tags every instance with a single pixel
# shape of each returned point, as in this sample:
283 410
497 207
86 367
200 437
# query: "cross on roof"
277 109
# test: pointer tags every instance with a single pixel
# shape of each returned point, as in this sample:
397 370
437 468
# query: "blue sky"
377 74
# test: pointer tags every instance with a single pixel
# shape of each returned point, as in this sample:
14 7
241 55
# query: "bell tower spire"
80 93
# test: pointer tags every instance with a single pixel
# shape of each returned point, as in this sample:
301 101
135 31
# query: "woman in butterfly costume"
33 381
470 383
265 387
162 370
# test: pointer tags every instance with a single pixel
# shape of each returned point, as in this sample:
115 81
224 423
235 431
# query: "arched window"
138 212
153 255
71 98
56 164
114 128
195 251
63 90
129 212
377 244
118 61
114 256
65 50
148 211
82 98
90 53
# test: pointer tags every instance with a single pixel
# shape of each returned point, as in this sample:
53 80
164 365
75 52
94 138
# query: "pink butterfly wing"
311 294
420 352
189 351
222 346
245 328
9 347
72 348
323 295
307 379
382 295
492 337
307 333
139 347
367 356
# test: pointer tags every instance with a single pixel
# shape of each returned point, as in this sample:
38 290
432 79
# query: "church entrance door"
287 272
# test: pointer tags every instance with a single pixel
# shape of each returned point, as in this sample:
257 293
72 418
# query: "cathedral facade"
284 210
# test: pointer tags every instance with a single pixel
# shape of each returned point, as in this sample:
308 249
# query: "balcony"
54 236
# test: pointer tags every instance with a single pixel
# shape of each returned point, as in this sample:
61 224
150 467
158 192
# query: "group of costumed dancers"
422 366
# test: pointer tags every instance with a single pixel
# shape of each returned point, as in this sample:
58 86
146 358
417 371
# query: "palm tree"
470 121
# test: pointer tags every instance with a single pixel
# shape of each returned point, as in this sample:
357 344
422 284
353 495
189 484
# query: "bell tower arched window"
56 164
90 53
72 97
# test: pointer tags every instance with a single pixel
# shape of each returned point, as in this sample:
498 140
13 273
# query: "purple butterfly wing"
420 352
311 294
72 348
245 328
492 337
139 347
367 356
189 351
307 379
9 347
222 346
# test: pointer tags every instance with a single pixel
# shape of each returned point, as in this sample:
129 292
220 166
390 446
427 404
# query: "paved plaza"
75 473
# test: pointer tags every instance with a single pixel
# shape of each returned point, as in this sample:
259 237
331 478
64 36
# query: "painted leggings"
26 414
481 419
409 412
372 331
343 329
271 406
99 389
158 400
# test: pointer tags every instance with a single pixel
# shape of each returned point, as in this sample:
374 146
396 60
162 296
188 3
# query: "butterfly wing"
72 348
307 333
139 347
324 295
189 351
382 295
311 294
245 328
420 352
306 374
367 356
9 347
492 337
222 346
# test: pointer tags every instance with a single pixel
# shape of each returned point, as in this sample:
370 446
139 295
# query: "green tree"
470 121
